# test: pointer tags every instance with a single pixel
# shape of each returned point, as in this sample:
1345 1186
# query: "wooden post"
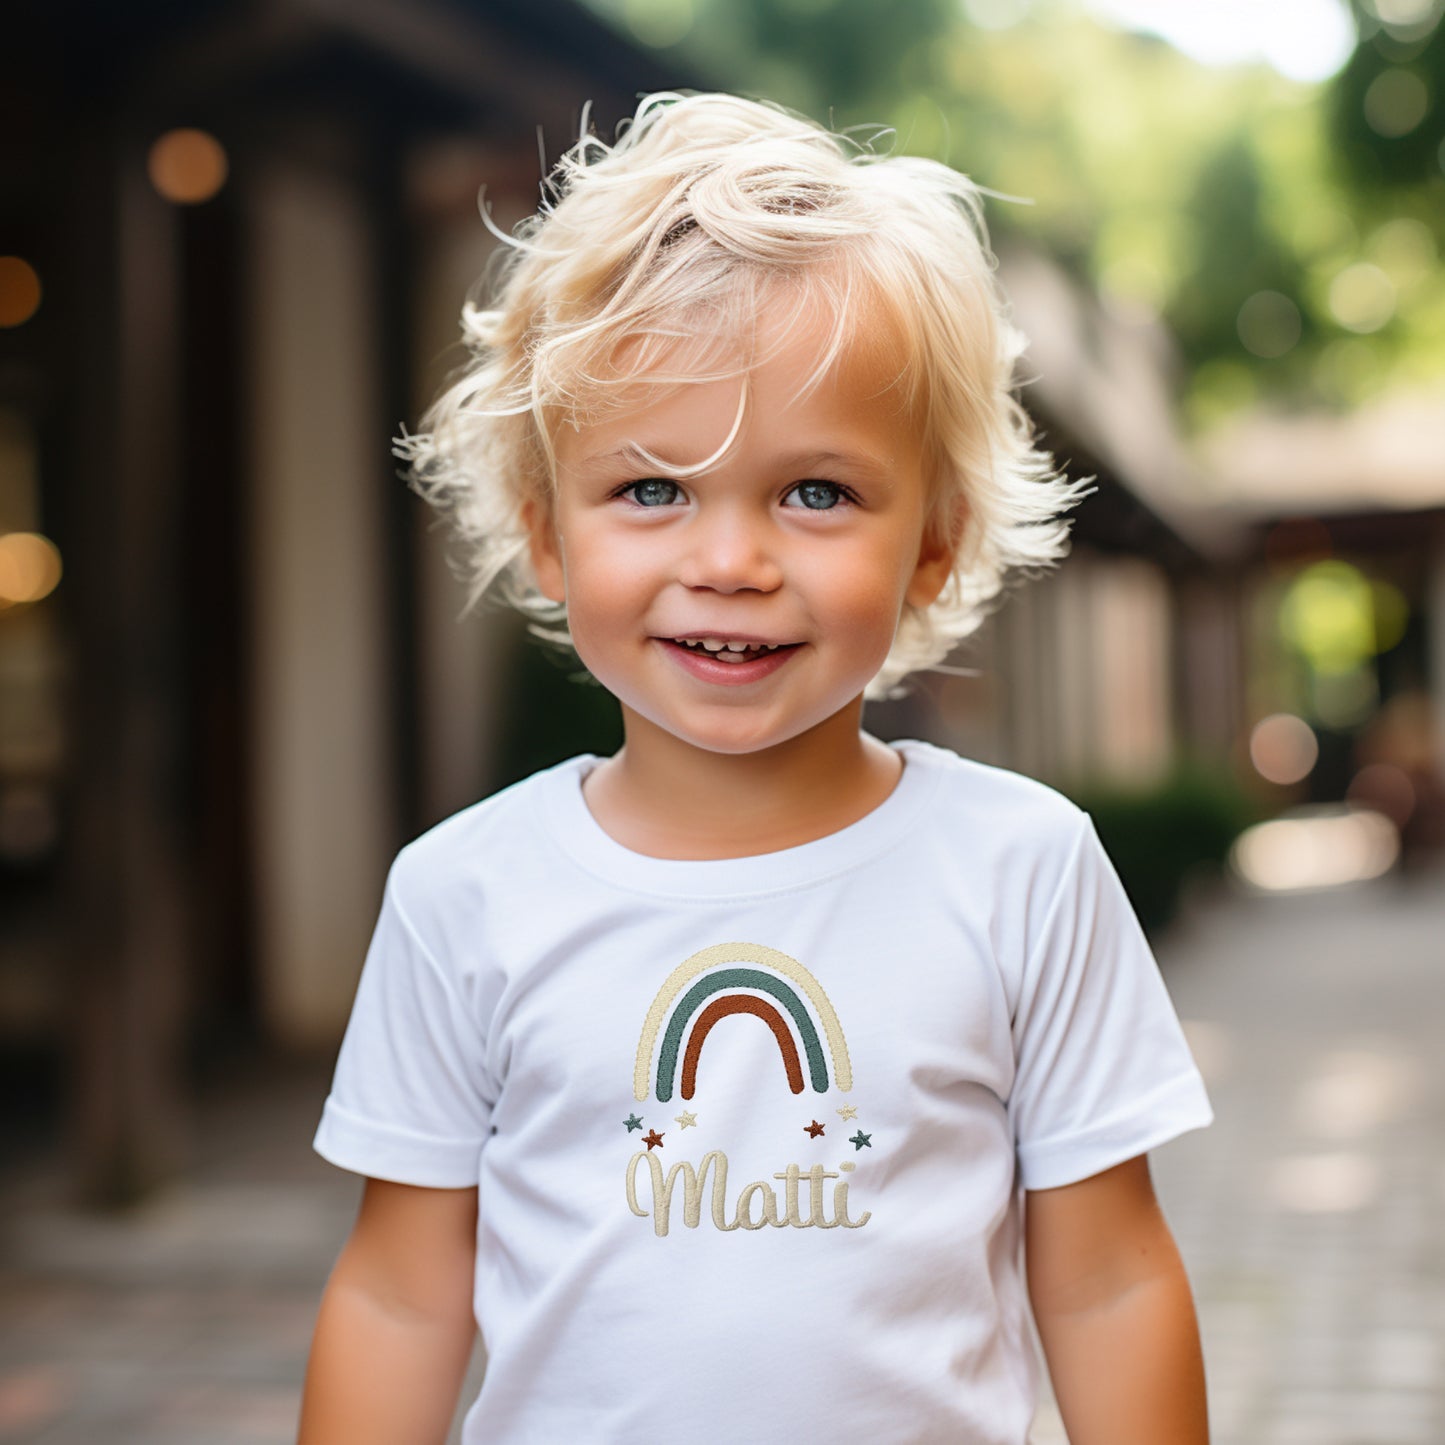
125 851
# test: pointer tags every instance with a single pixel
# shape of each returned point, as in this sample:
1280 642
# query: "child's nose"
731 553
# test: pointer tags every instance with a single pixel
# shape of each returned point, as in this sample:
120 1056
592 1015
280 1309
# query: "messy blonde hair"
661 249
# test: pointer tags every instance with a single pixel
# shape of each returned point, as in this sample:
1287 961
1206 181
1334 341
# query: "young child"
730 1081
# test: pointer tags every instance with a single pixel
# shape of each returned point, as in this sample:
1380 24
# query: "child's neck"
663 797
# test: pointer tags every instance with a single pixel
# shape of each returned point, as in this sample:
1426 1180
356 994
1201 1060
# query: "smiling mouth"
733 650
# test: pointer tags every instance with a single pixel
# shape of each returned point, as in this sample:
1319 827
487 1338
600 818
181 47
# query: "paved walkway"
1309 1215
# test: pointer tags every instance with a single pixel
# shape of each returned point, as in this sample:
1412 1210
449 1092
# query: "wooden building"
253 226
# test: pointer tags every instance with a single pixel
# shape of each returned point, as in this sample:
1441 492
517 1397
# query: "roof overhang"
1387 456
1104 381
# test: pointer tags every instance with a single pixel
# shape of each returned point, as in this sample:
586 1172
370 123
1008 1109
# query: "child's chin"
741 740
730 737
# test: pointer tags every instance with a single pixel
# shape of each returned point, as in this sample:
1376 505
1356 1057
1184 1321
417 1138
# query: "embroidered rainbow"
710 986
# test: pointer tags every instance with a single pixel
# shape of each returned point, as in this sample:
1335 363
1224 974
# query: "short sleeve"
1102 1069
407 1100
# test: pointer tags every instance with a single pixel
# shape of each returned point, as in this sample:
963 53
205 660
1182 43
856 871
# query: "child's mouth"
734 651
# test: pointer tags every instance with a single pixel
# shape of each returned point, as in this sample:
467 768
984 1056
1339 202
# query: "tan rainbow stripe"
723 953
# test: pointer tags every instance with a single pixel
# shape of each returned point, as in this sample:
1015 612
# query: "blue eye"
818 496
652 492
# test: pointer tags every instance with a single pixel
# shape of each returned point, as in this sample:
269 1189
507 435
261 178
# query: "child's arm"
1114 1312
395 1328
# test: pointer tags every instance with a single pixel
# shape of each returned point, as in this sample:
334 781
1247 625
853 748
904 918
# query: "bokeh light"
1362 298
659 23
1316 848
1404 249
1403 14
187 166
1268 324
29 567
1387 789
1396 102
1355 1091
1283 748
19 291
1335 1183
1337 617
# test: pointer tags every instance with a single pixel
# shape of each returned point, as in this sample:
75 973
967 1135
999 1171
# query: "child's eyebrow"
637 457
805 461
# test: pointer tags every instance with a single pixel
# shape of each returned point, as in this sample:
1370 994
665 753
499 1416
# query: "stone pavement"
186 1321
1308 1215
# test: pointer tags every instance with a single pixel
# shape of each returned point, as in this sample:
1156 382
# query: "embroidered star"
860 1140
686 1120
632 1122
848 1111
813 1130
652 1138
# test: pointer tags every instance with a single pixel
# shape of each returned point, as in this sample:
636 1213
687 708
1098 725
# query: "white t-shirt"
751 1135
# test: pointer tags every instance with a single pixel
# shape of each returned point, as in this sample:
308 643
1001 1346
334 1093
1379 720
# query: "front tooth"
739 646
713 645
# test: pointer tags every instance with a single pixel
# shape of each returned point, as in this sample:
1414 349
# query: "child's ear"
545 549
936 555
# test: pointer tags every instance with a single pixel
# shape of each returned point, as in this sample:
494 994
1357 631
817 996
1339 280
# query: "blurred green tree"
1387 106
1288 233
1240 254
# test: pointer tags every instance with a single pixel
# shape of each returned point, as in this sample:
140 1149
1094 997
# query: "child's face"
804 541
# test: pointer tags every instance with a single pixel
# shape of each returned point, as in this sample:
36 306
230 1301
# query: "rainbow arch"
705 988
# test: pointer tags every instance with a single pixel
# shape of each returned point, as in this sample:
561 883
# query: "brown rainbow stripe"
740 1003
690 991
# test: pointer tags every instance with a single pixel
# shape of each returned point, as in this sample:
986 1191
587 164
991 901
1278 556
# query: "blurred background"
234 242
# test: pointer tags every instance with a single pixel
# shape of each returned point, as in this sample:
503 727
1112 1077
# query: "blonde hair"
660 248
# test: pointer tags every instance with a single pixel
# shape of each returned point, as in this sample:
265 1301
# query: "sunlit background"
234 242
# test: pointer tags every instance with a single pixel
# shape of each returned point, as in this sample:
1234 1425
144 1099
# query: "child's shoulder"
489 837
983 809
987 790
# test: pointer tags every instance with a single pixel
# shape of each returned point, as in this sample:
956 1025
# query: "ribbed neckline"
570 823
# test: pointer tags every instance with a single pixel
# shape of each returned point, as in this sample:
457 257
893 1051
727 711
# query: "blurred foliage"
1160 837
1387 107
1288 233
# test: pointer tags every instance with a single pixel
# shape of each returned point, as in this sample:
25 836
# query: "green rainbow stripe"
734 953
729 978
